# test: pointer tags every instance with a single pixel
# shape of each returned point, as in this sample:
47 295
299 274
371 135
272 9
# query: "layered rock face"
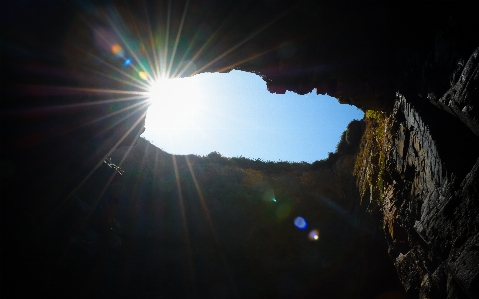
461 99
430 202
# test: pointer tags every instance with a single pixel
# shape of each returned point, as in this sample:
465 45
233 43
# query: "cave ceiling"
360 53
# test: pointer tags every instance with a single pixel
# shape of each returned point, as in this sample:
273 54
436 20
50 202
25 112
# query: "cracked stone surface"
431 199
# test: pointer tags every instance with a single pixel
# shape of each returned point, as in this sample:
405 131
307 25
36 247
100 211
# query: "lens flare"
143 75
314 235
117 50
300 223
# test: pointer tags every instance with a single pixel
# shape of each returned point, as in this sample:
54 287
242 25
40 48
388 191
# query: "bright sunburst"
127 64
175 103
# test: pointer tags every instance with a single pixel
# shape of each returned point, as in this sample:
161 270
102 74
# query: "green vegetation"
370 162
347 145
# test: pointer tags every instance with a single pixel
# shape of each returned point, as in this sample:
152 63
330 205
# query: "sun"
175 103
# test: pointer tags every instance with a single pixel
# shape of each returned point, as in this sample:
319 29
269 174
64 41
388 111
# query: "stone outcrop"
461 99
431 201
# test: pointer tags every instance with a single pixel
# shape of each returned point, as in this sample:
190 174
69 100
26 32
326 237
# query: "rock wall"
431 197
461 99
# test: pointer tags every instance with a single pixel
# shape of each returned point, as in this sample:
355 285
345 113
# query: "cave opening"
235 115
75 79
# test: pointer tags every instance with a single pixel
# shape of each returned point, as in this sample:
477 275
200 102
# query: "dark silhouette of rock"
233 236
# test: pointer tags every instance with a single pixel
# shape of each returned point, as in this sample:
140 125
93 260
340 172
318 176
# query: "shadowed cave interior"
88 209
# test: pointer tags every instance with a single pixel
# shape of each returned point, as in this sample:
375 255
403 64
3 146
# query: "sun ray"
135 81
81 90
66 131
252 35
125 42
179 74
111 114
129 149
157 165
176 74
68 107
145 52
110 65
236 46
75 230
137 109
175 47
112 91
141 165
212 37
206 43
152 43
159 64
114 147
210 223
95 204
97 165
198 190
233 65
139 83
167 40
58 132
185 222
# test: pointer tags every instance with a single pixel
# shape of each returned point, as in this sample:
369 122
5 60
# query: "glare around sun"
174 103
234 114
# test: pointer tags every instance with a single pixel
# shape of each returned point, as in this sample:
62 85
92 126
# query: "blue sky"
234 114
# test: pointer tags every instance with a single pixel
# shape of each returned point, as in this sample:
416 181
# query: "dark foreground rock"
206 227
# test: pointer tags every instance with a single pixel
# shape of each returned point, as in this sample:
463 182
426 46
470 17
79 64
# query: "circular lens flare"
117 50
143 75
300 223
314 235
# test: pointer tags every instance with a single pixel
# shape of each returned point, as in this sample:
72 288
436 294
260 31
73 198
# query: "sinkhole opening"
235 115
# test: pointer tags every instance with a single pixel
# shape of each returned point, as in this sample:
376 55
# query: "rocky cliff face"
430 200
